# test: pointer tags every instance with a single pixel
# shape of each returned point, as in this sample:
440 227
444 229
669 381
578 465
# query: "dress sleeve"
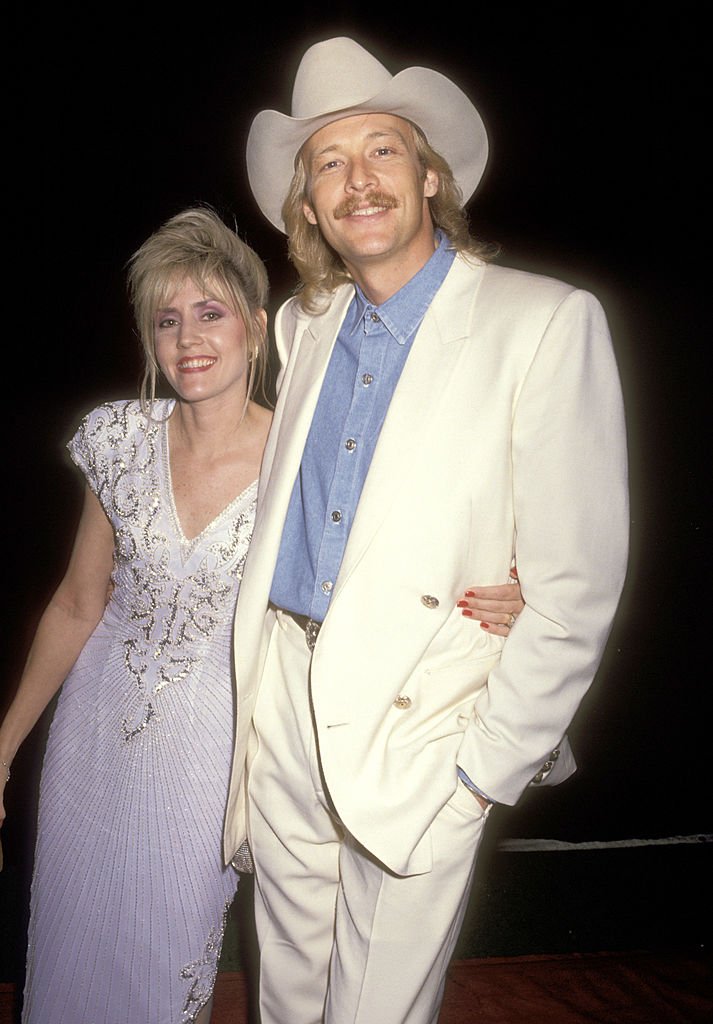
93 446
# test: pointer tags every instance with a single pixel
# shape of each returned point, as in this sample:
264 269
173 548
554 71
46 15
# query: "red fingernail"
462 604
485 625
469 593
468 612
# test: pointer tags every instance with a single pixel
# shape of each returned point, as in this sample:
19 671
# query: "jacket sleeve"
570 494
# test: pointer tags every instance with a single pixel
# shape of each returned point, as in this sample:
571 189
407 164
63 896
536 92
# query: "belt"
309 627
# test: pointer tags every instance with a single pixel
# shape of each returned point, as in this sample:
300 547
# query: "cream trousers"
342 940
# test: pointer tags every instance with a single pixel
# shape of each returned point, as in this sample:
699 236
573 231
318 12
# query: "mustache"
376 198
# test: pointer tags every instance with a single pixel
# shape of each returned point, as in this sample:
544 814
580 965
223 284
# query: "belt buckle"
311 633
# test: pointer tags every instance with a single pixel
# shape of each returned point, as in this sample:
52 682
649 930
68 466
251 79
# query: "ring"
511 623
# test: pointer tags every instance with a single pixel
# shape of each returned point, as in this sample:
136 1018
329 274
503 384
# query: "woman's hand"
496 608
4 779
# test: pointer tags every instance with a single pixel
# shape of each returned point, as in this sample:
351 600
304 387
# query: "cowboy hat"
338 78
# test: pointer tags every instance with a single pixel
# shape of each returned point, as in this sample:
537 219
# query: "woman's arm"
67 623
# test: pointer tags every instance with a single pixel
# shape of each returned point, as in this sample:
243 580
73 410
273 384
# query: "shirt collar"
403 312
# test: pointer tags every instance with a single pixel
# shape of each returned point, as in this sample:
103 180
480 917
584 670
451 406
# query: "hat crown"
343 70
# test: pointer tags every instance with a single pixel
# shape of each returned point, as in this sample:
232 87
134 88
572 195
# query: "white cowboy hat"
337 78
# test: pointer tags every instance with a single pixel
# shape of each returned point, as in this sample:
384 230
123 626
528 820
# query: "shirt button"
326 586
350 444
402 703
366 379
429 601
336 516
375 318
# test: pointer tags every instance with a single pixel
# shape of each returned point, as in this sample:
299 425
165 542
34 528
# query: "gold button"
430 601
402 702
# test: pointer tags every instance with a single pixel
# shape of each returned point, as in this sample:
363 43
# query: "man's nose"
361 176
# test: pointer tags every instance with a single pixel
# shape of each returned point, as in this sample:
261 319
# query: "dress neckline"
243 497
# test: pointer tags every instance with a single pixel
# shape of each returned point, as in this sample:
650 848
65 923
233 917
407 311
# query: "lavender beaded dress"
129 894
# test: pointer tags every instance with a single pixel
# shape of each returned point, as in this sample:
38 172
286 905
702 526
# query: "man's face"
368 193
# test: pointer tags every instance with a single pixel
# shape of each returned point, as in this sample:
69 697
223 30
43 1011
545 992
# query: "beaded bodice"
170 595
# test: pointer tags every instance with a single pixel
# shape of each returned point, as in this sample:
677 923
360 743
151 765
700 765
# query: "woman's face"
201 344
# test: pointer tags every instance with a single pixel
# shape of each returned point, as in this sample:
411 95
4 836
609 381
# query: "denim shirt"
369 354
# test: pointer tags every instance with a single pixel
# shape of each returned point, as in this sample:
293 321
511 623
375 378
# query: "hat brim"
442 111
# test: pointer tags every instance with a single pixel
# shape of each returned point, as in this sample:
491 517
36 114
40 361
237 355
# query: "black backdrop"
596 175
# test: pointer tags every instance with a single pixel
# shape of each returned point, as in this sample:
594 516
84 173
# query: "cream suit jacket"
504 438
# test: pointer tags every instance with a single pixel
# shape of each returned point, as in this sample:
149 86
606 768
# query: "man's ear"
308 212
430 183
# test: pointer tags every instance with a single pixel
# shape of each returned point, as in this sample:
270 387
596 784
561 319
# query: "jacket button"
402 702
430 601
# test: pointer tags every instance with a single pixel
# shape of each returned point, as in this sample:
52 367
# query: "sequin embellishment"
172 619
202 973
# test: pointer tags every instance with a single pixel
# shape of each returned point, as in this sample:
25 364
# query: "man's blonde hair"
321 269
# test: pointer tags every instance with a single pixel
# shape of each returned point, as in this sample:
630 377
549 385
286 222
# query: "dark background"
596 175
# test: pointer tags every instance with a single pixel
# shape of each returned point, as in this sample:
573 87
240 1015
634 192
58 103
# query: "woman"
130 895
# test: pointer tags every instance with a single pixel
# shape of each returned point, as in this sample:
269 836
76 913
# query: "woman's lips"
195 364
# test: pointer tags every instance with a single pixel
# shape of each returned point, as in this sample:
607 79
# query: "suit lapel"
445 327
300 389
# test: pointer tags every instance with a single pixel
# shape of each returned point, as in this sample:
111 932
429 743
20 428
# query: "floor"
604 988
536 944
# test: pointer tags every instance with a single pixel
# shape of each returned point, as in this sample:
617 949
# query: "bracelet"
6 766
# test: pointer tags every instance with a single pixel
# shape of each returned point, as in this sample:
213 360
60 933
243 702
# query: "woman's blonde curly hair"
196 245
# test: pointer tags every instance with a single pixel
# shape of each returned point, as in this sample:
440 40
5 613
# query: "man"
437 417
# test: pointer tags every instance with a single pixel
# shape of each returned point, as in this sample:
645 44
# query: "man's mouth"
368 206
367 212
